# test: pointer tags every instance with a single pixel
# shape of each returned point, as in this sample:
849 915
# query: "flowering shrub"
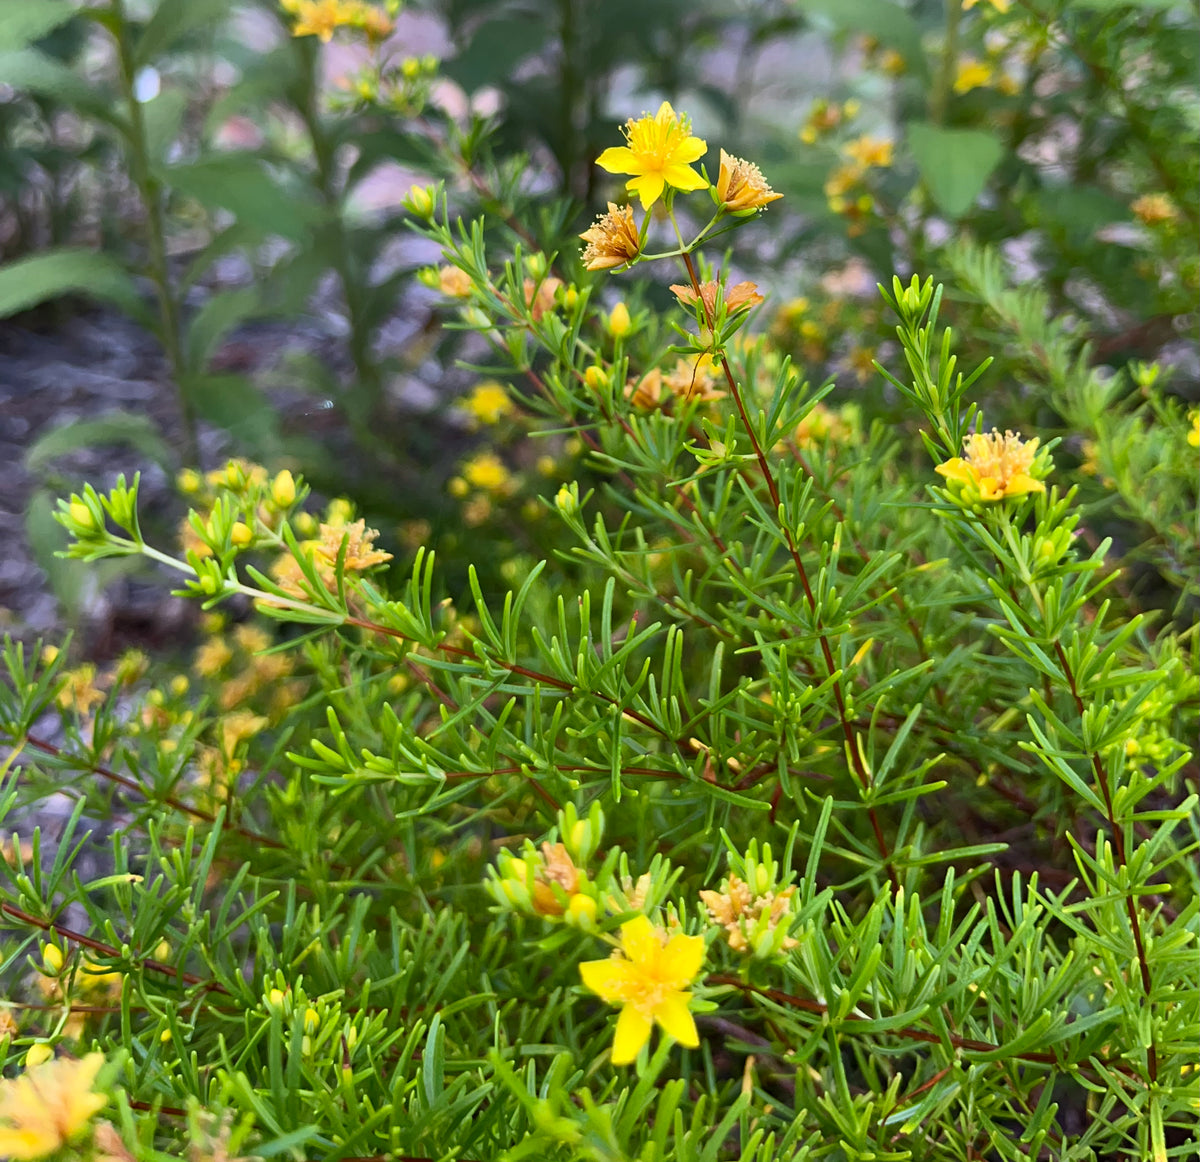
832 749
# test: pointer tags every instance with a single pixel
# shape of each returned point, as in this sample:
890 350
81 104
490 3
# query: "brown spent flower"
557 868
539 296
694 381
737 908
739 297
612 240
741 187
646 392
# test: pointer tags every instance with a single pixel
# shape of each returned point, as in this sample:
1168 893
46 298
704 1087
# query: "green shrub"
824 795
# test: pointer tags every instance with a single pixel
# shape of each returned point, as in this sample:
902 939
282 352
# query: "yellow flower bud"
566 501
419 202
240 534
165 1036
38 1054
571 298
188 481
283 490
619 321
595 377
312 1022
52 958
275 998
581 911
82 515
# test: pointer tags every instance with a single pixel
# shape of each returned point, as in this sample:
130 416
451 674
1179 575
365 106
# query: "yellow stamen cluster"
994 466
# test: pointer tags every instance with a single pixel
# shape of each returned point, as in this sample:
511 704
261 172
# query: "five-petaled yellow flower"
47 1106
994 466
649 979
659 152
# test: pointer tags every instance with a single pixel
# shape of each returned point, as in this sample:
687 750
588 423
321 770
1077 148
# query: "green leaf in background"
223 311
163 118
138 431
886 21
36 73
174 19
496 49
30 281
954 163
234 403
24 21
241 184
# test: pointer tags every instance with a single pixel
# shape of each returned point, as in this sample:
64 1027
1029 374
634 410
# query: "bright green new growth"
869 675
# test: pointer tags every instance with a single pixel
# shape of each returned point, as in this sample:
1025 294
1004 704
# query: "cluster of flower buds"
754 904
552 881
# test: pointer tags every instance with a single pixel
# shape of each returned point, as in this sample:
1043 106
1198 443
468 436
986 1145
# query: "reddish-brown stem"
855 758
146 793
73 937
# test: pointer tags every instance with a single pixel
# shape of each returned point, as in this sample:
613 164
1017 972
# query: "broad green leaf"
232 402
34 280
241 184
115 428
954 163
174 19
223 311
163 118
24 21
497 47
33 72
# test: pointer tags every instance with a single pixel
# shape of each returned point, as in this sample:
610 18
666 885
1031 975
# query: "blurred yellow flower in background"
47 1106
488 402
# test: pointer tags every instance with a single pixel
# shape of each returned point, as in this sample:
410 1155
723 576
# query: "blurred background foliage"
237 191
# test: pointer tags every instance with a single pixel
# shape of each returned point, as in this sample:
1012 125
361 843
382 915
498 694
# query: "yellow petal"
640 940
27 1143
619 159
648 187
689 150
1022 483
955 469
683 957
606 978
674 1017
633 1031
683 177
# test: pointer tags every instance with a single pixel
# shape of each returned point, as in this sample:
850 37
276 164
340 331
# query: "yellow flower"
488 402
1194 430
486 471
659 152
649 979
870 151
612 240
47 1106
741 187
994 466
1154 208
972 74
322 17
